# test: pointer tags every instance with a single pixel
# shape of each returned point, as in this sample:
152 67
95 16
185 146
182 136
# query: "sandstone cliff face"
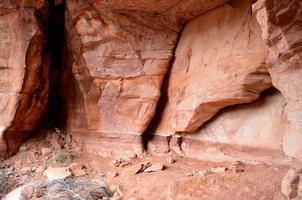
24 70
281 22
118 54
219 61
213 54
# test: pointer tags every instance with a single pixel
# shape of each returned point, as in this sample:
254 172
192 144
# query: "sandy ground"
178 180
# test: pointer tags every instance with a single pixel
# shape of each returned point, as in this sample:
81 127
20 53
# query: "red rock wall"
178 63
219 61
281 22
24 70
118 54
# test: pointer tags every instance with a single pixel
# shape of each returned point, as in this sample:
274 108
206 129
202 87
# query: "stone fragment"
57 173
77 169
155 168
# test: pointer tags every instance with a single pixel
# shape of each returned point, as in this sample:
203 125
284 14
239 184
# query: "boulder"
117 55
219 61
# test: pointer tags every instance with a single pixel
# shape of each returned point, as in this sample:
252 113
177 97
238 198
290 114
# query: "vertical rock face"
118 54
219 61
24 70
281 22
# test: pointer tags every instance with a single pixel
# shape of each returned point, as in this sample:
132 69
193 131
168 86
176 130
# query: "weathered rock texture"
117 55
24 70
281 22
220 61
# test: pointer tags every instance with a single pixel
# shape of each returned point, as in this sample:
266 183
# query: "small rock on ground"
155 167
57 173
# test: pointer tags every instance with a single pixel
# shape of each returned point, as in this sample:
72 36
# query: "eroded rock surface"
281 22
220 61
118 54
24 69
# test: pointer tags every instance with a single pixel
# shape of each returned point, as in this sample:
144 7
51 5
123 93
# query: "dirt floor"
170 177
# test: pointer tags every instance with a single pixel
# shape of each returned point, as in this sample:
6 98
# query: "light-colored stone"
155 168
57 173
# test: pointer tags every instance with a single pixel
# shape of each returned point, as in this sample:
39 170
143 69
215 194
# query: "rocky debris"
56 138
77 169
237 167
155 168
291 185
46 151
57 173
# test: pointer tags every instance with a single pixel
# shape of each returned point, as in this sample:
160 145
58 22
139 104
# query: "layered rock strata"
24 63
117 55
281 22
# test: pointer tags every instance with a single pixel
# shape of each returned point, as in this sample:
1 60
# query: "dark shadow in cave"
56 44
